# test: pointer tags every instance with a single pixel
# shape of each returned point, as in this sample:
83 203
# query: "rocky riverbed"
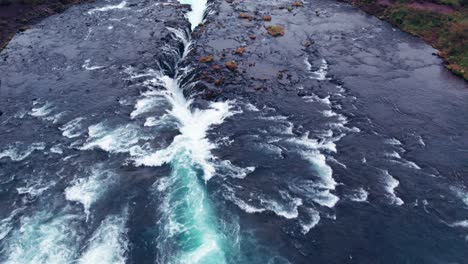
229 132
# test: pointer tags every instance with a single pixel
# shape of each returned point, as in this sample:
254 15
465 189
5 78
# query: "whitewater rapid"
188 231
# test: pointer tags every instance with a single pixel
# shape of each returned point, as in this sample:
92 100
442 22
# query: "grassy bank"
442 23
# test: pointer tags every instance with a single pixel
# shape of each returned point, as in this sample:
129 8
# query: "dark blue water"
344 141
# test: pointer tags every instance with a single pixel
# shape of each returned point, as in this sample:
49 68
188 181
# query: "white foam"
320 189
146 104
312 154
193 127
393 154
337 162
56 149
43 238
184 38
55 118
286 207
121 5
90 189
108 245
252 108
226 168
72 129
421 141
21 114
42 111
411 164
461 193
18 152
196 15
390 184
118 140
316 192
86 65
6 224
316 98
35 188
360 195
246 207
321 73
313 219
463 223
393 141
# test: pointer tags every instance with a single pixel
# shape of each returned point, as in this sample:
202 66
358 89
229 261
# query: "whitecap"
250 107
88 190
321 73
226 168
86 65
35 188
56 149
118 140
43 238
193 126
18 151
108 244
150 100
313 218
121 5
463 223
42 111
315 98
390 184
461 193
286 206
360 195
393 141
72 129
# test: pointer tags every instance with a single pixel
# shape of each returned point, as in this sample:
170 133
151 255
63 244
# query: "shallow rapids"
124 138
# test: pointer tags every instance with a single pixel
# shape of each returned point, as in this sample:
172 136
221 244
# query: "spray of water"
188 231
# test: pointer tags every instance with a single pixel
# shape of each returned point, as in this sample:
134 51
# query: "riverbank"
442 23
18 15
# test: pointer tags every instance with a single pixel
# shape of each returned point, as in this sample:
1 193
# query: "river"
343 141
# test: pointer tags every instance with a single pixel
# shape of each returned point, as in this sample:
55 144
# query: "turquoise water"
190 227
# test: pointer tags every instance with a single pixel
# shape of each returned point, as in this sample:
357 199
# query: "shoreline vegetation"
441 23
18 15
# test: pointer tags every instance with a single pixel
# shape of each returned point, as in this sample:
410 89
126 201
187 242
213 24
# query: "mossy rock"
206 59
275 30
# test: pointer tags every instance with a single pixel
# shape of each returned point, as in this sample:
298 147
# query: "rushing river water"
343 141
